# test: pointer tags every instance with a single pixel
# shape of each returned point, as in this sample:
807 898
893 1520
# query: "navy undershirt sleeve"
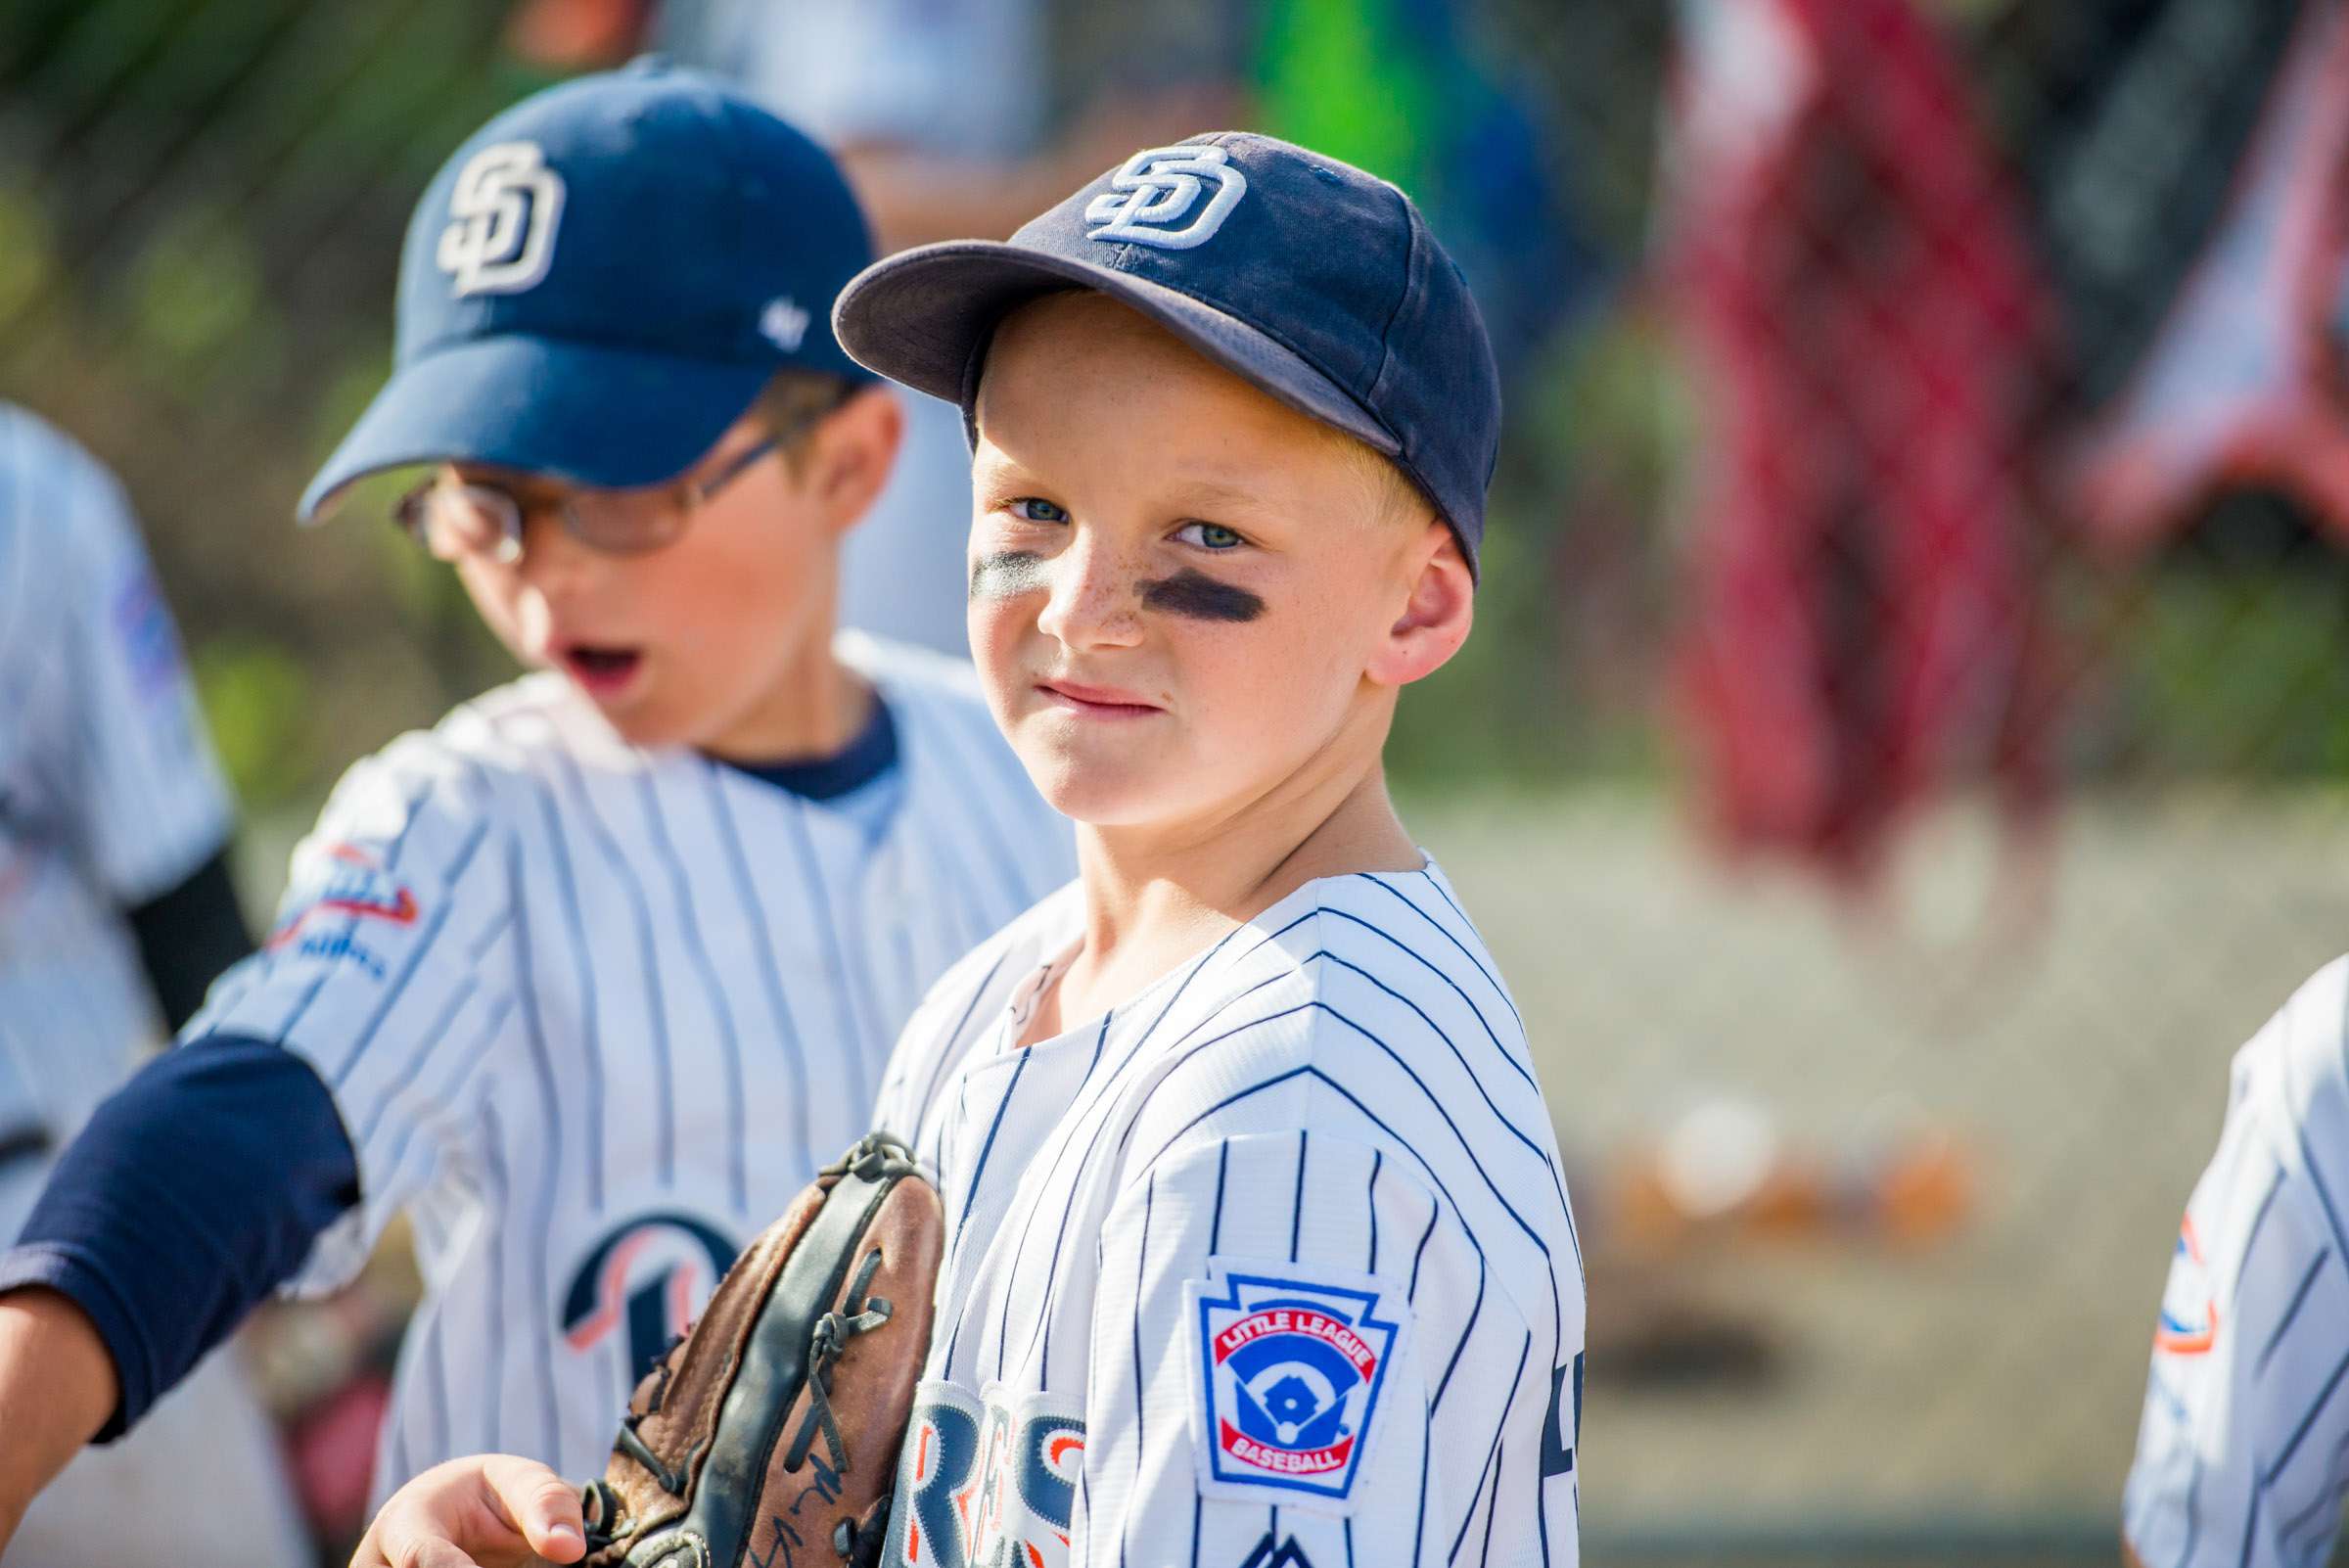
193 1193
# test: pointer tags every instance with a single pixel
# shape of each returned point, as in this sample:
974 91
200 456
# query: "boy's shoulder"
2292 1077
1363 1006
908 671
37 454
1376 957
472 768
516 729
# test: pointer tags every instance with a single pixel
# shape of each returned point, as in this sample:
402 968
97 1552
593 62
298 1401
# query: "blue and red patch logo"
2190 1310
1290 1372
348 881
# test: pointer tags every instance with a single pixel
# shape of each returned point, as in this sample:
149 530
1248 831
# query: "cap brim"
923 317
595 416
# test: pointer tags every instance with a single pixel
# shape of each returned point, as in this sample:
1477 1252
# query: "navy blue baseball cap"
1318 283
602 279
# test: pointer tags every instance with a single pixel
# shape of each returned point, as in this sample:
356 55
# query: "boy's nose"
1093 600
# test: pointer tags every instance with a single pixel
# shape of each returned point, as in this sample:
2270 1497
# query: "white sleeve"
2244 1436
391 969
1271 1355
149 800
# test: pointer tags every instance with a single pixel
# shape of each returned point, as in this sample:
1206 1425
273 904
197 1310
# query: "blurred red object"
2242 384
332 1452
1851 268
579 35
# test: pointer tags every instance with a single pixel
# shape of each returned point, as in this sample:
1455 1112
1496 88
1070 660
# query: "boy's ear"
1436 616
849 458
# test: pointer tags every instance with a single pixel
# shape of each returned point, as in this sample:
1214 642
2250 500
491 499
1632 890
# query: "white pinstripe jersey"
2243 1453
594 1014
1271 1265
109 792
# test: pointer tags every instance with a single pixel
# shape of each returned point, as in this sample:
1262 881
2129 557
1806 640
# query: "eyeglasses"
454 520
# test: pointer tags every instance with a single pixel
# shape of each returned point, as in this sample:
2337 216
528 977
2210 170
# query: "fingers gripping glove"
769 1433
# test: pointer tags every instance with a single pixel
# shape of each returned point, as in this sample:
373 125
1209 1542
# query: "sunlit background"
1900 754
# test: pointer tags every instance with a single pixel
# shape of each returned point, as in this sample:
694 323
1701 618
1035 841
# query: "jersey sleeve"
391 970
148 800
1297 1358
2245 1429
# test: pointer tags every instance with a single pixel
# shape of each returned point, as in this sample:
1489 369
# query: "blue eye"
1209 537
1034 509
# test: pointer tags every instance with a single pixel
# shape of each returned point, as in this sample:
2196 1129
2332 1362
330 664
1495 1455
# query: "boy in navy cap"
1259 1252
589 978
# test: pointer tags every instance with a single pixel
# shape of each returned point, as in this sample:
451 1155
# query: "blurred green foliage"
256 694
201 212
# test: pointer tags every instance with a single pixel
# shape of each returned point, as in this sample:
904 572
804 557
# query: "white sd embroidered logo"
503 217
1155 199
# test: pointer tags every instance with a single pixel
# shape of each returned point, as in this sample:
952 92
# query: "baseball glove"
770 1432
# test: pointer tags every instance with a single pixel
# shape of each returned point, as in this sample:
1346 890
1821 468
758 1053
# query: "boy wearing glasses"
589 978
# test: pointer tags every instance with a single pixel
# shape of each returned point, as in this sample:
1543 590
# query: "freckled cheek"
997 628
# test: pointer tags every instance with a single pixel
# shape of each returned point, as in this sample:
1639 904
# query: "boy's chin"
650 725
1100 795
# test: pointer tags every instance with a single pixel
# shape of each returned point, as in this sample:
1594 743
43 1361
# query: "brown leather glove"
769 1433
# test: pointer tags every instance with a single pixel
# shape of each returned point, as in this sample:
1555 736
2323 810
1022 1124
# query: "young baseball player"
589 978
1257 1251
115 910
2240 1451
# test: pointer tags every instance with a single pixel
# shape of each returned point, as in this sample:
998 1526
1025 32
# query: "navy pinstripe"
664 1112
585 1019
803 1098
729 1039
2299 1299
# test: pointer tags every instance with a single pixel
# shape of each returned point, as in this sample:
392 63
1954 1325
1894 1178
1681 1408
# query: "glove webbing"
833 1332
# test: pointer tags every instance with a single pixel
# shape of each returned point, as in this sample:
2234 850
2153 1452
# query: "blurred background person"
116 913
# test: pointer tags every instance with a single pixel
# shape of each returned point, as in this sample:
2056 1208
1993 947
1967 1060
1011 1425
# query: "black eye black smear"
1193 593
1007 573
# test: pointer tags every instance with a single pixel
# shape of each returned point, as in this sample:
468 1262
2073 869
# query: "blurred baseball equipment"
770 1432
1725 1168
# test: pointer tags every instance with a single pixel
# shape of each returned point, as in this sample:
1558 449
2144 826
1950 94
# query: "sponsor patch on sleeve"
150 642
1291 1370
2189 1312
346 882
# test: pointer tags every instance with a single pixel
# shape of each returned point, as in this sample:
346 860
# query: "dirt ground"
1982 1395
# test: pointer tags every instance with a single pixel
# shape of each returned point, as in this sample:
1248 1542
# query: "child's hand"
491 1510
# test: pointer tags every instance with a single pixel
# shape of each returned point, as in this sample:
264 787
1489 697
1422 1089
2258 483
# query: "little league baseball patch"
1290 1366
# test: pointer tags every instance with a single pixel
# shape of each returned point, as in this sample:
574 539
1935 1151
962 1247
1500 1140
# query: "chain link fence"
1901 756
